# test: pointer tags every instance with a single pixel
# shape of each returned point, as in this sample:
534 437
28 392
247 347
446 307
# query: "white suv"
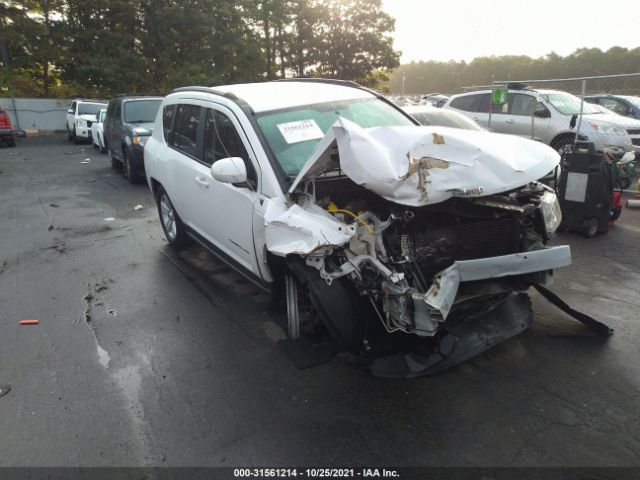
367 222
80 116
551 116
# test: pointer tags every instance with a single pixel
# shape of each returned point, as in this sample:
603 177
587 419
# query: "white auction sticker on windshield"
300 131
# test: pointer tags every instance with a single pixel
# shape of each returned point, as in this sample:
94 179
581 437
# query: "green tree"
355 40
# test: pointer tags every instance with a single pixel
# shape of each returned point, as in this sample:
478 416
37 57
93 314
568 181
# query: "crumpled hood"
419 165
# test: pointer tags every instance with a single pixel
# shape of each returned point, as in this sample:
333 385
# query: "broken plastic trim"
591 323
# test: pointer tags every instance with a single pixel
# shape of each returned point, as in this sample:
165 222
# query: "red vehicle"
6 129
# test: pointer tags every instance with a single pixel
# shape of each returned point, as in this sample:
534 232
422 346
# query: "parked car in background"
80 116
328 192
429 115
625 105
7 134
434 99
127 127
97 131
551 116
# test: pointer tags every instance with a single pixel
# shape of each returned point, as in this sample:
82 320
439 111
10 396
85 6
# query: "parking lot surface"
144 357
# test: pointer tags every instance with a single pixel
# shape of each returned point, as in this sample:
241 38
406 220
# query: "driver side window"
222 140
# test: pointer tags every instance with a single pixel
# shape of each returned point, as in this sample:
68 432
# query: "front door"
219 212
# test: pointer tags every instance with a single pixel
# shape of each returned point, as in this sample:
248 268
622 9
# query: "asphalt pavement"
144 357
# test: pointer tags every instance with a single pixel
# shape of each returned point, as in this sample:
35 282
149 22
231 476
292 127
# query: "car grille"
438 249
635 141
89 123
634 131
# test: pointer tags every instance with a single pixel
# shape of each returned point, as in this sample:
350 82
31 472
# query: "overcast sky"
465 29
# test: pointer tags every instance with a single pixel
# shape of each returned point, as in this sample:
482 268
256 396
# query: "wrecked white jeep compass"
413 246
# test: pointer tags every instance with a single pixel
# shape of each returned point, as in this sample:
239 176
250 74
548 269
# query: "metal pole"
404 77
584 89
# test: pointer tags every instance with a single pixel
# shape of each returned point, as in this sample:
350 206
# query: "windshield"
446 118
569 104
294 133
141 111
89 108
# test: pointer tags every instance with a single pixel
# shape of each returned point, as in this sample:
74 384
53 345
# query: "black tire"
103 149
115 164
129 171
69 136
76 140
11 142
590 227
339 307
177 238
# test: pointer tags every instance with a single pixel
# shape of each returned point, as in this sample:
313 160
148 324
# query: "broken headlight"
551 213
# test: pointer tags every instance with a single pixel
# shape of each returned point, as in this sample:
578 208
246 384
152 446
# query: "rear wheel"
171 224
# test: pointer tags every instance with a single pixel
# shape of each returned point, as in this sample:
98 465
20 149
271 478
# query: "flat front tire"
170 220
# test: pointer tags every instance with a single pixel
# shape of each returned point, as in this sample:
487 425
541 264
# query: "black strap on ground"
591 323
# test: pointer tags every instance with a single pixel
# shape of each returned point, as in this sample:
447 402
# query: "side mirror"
542 112
229 170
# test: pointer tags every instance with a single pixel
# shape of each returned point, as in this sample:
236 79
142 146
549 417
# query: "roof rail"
330 81
134 94
211 90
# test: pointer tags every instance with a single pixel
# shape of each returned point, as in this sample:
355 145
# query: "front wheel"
129 170
11 142
115 164
170 220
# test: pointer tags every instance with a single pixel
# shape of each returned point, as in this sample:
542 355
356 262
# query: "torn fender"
304 229
419 165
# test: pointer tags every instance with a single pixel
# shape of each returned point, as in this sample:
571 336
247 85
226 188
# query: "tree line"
96 48
451 77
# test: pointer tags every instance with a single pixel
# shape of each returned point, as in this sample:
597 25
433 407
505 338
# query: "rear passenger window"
167 122
468 103
185 137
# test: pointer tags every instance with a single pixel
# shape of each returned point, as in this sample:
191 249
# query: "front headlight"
607 128
137 140
81 123
551 213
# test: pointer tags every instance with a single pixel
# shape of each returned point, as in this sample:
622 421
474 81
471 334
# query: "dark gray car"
128 125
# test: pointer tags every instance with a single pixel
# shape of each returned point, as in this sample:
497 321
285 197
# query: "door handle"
202 182
510 122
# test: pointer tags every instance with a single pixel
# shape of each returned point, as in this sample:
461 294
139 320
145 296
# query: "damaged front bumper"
441 296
